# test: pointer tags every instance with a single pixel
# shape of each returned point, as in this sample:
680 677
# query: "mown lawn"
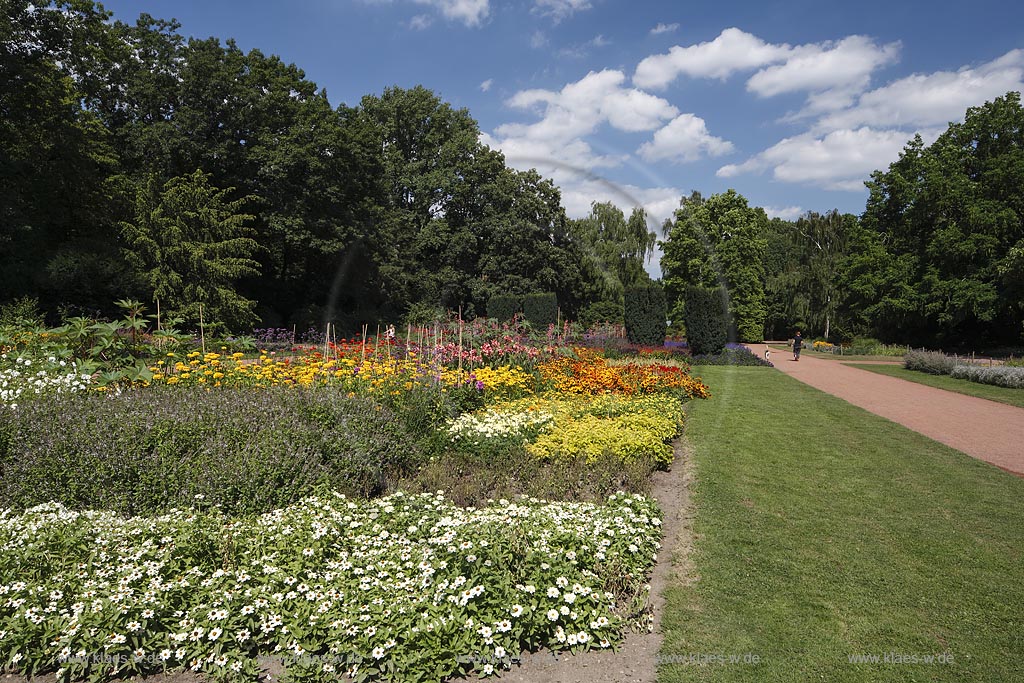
1014 397
824 532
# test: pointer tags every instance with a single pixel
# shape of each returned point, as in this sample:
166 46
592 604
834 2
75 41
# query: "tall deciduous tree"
56 158
719 241
948 216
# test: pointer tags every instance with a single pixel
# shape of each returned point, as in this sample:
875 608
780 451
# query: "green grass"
823 531
1014 397
808 351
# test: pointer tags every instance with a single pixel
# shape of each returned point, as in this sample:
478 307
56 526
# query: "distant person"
798 343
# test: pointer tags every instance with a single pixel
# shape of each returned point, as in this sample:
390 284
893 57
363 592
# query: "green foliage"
805 263
719 241
601 312
540 309
146 452
943 222
191 245
363 212
644 315
424 313
615 249
20 312
504 307
705 315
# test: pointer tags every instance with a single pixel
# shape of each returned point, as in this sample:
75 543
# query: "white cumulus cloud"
664 28
469 12
733 50
580 107
786 213
560 142
486 85
833 73
841 160
932 99
685 138
825 66
560 9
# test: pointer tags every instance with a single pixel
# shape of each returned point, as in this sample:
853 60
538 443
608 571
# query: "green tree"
948 216
719 241
190 245
616 248
56 159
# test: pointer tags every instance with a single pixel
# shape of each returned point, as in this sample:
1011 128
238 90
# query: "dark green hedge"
540 309
504 306
149 451
644 314
706 320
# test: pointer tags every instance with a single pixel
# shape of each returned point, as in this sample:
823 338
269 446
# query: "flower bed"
590 373
401 588
23 377
577 427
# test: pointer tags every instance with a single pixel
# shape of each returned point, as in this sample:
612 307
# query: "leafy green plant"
246 451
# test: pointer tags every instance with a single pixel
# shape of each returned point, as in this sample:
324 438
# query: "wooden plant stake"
460 341
202 332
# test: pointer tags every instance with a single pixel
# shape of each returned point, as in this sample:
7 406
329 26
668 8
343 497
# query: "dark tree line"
936 259
136 162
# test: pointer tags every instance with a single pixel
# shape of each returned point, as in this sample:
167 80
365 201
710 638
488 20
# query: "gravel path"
989 431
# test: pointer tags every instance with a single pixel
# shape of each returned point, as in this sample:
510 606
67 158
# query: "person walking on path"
798 343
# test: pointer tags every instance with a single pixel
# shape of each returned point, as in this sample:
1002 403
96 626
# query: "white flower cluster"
1000 375
497 425
19 376
332 583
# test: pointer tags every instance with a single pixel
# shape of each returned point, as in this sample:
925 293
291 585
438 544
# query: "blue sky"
790 103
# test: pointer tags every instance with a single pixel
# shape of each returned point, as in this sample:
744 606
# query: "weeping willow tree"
616 248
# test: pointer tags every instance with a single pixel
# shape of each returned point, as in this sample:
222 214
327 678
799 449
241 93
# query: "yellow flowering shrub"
588 426
629 437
